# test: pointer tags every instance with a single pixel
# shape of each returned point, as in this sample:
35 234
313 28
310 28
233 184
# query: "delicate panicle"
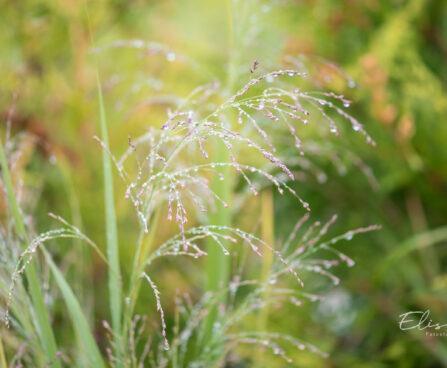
173 166
159 308
164 174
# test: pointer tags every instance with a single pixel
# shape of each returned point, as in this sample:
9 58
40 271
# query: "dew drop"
322 178
265 8
170 56
138 44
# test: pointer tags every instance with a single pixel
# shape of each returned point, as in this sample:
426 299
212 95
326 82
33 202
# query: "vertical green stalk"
268 235
217 265
115 286
145 243
43 326
2 355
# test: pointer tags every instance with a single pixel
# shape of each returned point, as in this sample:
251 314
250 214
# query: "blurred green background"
395 50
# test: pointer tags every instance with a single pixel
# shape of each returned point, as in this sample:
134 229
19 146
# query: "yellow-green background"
395 50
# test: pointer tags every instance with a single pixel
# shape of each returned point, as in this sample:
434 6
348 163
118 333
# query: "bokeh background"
395 51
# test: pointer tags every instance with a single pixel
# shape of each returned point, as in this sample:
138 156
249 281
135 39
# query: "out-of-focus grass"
397 57
395 50
42 327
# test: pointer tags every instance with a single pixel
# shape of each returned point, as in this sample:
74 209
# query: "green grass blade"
2 355
419 241
217 264
43 325
78 319
268 235
115 287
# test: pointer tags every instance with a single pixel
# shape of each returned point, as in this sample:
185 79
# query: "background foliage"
394 50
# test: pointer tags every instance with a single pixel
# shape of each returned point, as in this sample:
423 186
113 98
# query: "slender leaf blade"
115 288
78 319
